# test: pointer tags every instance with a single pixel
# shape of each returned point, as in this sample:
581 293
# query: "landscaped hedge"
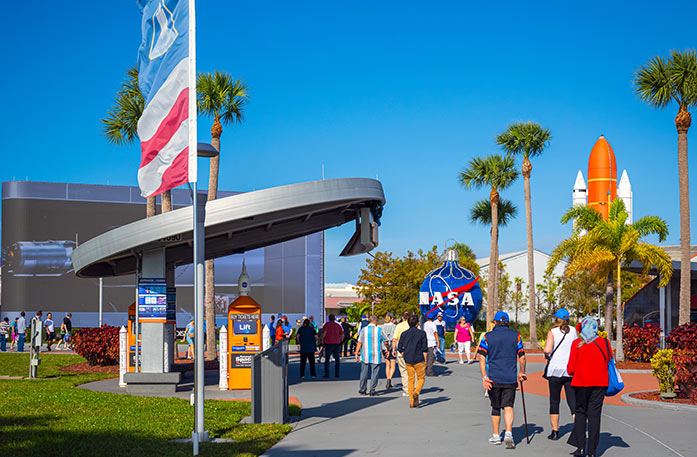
683 340
640 344
99 345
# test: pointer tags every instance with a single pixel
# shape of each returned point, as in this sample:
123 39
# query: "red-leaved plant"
683 340
99 345
640 344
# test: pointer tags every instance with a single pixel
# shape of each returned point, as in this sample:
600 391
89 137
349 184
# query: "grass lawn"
51 417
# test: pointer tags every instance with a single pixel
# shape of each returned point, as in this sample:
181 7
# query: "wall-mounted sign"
241 360
152 300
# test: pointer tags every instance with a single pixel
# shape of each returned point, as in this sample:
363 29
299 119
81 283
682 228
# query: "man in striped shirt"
369 353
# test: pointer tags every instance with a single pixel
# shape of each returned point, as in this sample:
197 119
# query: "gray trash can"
270 384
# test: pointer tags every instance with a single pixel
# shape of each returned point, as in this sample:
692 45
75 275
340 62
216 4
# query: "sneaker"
508 440
461 362
486 394
495 439
404 394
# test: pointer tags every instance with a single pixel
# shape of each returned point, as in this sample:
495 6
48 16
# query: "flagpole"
199 434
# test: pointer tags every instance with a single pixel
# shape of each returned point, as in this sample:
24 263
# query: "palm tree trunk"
492 289
150 206
167 201
619 349
682 123
209 300
609 295
527 169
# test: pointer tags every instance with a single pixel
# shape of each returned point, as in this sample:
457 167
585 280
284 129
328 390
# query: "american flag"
166 82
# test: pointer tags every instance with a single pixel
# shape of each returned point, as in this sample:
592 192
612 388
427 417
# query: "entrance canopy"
233 225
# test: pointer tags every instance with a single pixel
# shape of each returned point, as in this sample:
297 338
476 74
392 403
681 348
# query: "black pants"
430 358
346 347
555 385
332 350
304 357
589 407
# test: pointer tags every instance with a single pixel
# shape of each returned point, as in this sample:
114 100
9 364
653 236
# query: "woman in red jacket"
588 366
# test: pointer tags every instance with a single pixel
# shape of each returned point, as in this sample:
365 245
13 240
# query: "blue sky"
406 91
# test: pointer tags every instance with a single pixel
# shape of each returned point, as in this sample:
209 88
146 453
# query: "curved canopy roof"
232 224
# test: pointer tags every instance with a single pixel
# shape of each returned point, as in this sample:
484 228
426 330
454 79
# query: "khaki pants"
403 372
418 371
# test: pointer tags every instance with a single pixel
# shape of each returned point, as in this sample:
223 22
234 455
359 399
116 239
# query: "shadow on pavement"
431 401
309 453
342 407
608 440
519 432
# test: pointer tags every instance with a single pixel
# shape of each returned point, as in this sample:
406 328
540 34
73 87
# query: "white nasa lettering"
467 299
452 296
437 298
423 298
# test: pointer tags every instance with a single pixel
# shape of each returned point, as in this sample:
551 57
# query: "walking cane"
525 414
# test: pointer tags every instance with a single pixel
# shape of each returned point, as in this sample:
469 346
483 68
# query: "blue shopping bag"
615 383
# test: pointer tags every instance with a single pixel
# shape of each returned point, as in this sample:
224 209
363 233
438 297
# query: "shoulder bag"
615 383
544 373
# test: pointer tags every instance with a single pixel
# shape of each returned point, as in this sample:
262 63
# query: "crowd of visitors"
16 332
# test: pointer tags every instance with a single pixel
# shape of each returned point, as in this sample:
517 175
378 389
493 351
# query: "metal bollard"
123 355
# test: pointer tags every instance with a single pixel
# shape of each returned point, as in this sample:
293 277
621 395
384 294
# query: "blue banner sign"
152 300
244 327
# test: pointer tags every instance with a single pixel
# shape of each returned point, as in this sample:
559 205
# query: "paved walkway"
455 418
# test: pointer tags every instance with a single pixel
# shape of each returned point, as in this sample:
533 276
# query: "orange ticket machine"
131 338
244 335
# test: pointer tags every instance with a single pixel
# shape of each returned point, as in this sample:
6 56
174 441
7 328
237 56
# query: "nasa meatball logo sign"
451 290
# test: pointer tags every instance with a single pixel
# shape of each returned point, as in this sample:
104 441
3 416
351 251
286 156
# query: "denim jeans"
3 343
374 373
20 342
441 345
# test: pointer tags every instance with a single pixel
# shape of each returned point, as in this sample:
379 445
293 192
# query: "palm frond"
617 208
597 258
652 83
652 225
120 125
650 255
584 217
683 76
565 250
525 138
481 212
220 96
493 170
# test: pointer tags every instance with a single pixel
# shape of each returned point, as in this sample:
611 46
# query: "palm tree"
659 83
527 139
120 126
497 173
222 98
609 244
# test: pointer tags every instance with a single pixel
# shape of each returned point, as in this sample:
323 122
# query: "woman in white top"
557 350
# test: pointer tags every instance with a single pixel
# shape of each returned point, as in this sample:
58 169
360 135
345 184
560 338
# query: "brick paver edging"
627 398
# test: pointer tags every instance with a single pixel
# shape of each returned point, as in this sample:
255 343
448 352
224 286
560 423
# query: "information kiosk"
244 324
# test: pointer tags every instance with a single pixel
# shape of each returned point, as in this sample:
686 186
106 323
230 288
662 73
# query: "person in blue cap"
500 352
557 350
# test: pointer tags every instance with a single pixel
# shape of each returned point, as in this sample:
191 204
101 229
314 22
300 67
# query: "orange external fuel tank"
602 177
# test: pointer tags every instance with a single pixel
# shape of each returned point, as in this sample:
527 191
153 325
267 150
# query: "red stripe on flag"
176 174
458 290
169 125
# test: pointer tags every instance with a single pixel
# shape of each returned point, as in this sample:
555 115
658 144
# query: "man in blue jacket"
500 351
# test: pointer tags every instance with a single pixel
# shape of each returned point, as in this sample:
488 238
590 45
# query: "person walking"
363 323
50 331
489 327
4 333
314 324
398 330
587 365
498 352
390 360
280 333
464 336
432 341
557 350
287 329
332 336
413 346
347 328
307 340
66 328
370 345
440 327
13 330
189 338
21 332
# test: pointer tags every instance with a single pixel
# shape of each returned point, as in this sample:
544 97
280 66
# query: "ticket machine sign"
244 327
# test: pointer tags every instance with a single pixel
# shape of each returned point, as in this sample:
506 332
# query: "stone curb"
627 398
629 370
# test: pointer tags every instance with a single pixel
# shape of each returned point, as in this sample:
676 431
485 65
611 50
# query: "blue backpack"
615 383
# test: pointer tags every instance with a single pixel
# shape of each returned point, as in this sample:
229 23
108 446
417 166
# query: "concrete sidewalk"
454 417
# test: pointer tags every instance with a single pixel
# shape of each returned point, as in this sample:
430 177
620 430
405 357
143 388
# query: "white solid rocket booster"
624 192
579 197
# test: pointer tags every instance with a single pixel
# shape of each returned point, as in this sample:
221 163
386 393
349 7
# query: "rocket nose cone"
602 156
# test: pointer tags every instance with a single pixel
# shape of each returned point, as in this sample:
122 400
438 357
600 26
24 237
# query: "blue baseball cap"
501 316
363 316
562 314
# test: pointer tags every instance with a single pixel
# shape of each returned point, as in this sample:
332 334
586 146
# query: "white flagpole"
199 433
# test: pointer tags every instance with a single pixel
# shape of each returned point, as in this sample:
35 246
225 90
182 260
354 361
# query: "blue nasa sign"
451 290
